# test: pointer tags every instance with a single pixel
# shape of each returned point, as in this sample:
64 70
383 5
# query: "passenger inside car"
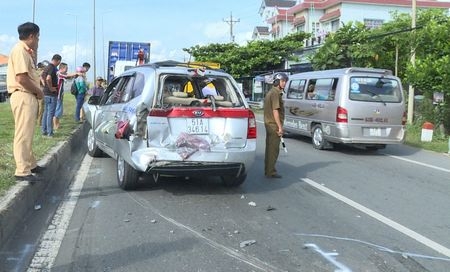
311 94
208 88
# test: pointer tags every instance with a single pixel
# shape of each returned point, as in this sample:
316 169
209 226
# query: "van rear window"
375 89
195 91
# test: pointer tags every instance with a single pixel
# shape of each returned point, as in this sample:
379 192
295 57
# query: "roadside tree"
241 61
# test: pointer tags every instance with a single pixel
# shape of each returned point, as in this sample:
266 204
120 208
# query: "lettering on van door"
296 124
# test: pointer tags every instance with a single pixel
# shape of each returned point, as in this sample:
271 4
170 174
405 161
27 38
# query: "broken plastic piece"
247 243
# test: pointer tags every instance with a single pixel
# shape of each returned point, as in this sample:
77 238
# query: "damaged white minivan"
169 118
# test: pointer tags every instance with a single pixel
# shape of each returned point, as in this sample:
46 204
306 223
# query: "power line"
231 22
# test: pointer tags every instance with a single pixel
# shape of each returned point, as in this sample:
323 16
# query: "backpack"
73 88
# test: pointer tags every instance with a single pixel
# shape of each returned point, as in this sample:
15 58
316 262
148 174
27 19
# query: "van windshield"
375 89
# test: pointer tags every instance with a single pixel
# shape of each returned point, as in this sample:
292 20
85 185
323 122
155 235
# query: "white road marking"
50 243
419 163
330 256
250 260
406 231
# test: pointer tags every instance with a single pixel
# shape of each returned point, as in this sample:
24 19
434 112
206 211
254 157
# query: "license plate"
374 132
197 126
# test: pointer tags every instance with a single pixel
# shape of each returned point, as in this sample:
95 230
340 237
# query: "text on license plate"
374 132
197 126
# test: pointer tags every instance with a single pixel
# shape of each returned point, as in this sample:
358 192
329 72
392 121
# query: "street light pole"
76 37
95 63
103 44
34 9
410 116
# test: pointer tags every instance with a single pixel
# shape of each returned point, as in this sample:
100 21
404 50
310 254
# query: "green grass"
438 144
41 144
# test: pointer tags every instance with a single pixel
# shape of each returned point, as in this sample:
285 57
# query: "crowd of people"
36 93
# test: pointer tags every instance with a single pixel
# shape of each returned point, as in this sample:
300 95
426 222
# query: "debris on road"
270 208
251 203
37 207
126 220
153 221
247 243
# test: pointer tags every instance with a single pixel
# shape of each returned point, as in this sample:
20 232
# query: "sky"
67 27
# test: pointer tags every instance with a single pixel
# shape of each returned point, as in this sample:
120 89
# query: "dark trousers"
272 150
80 101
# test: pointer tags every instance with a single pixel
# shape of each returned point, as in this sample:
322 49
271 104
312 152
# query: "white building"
321 17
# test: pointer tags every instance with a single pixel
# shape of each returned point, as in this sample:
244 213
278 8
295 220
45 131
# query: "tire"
127 176
233 181
93 149
318 141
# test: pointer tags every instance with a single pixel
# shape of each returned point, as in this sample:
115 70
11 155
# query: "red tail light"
404 118
341 115
251 130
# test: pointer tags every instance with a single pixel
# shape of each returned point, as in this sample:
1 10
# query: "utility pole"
94 64
231 22
410 115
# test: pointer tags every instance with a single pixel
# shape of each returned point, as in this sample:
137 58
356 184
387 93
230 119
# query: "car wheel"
93 149
233 181
318 141
127 176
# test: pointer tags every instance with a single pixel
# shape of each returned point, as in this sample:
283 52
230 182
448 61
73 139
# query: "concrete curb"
60 164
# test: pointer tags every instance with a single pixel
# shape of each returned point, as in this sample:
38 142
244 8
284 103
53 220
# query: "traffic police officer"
273 121
23 86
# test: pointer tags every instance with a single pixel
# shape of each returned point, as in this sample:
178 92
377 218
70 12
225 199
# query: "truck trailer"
124 55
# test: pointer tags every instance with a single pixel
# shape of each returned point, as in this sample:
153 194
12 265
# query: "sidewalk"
19 202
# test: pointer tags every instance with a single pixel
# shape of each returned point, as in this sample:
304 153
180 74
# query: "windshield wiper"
376 95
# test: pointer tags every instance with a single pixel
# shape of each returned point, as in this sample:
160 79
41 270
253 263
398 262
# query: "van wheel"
93 149
233 181
318 140
127 176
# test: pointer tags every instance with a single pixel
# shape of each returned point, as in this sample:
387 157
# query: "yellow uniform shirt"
20 61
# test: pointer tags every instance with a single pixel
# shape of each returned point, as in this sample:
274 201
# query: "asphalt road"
341 210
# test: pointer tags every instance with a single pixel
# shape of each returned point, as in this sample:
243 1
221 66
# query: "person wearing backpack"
82 87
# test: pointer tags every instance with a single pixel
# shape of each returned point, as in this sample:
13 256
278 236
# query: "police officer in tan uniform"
24 89
273 121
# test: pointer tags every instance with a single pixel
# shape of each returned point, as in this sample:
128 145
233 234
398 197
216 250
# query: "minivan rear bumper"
196 168
353 135
215 163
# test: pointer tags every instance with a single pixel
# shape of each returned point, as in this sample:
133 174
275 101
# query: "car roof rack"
201 65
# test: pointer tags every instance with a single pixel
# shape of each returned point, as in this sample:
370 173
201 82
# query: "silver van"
358 106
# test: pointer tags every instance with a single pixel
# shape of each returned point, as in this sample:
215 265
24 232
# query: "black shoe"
30 178
274 176
38 169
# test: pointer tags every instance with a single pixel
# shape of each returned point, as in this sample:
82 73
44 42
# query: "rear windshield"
187 91
375 89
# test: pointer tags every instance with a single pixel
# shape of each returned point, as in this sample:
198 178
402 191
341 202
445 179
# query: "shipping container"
137 52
